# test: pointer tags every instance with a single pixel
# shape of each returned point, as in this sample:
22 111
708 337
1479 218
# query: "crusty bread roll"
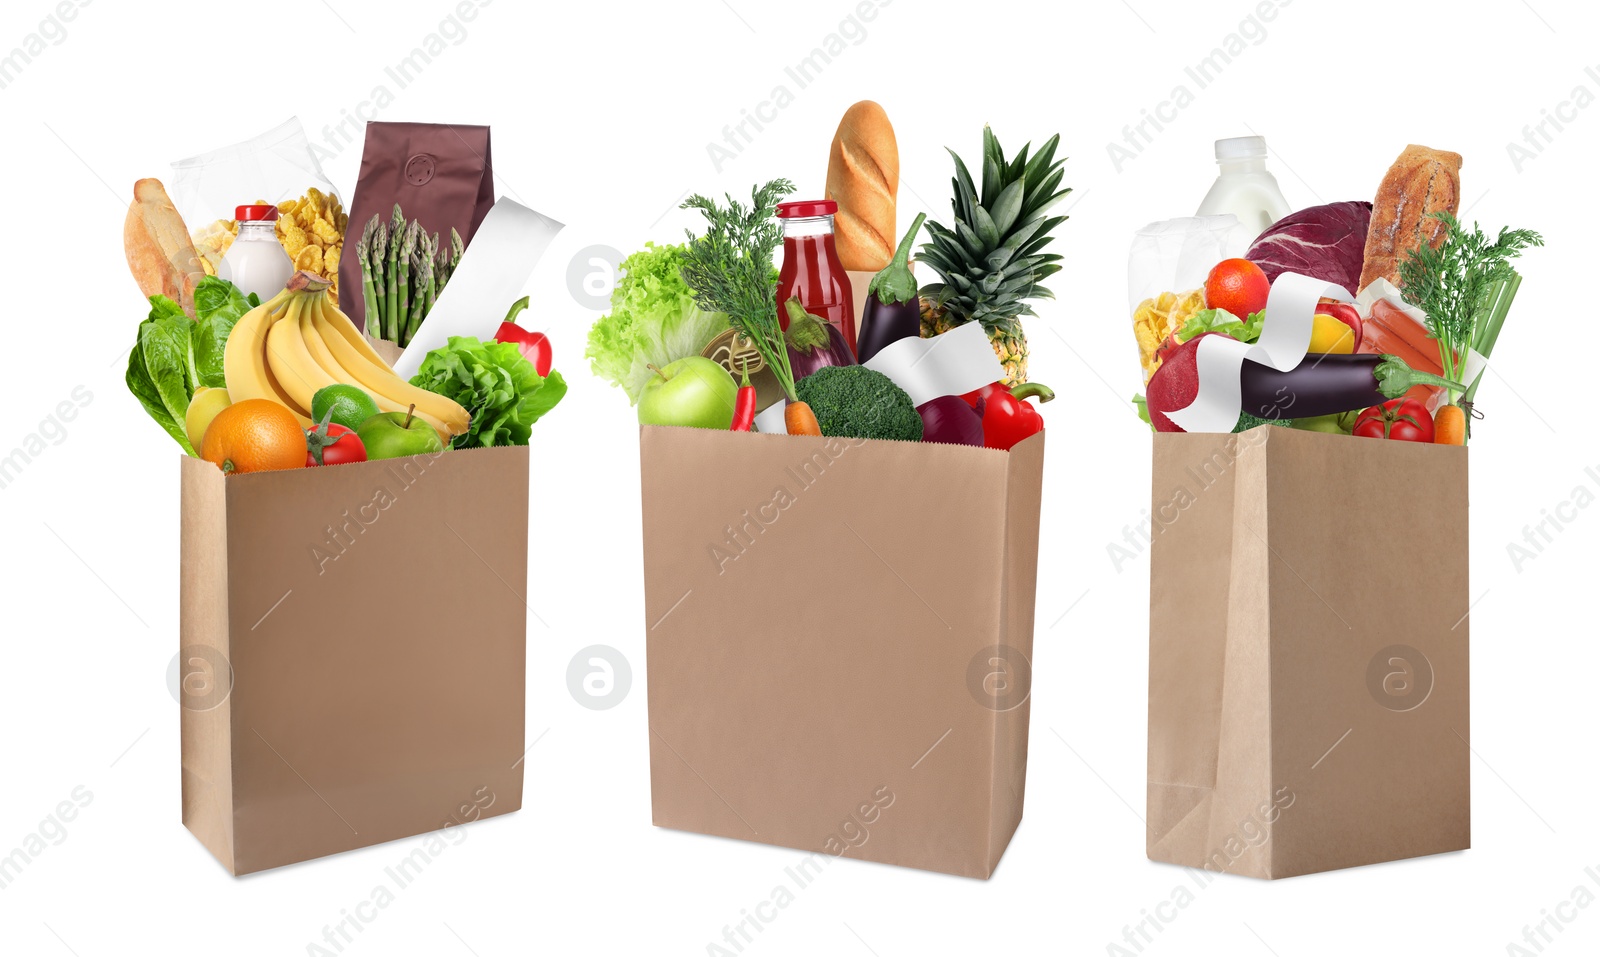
161 255
863 178
1422 181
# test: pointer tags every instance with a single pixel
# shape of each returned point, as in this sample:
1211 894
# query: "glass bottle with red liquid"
811 267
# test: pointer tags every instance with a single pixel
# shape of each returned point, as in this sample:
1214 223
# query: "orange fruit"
256 435
1239 286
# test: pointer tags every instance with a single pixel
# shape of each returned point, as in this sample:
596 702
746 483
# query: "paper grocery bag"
1308 651
839 638
353 652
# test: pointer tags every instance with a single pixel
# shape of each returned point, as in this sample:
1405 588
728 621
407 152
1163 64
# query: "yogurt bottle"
1244 187
256 262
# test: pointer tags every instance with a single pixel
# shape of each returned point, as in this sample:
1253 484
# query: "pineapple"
991 263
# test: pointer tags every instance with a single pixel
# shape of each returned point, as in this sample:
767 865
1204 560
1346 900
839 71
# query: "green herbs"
1465 286
654 321
499 388
730 270
175 355
854 402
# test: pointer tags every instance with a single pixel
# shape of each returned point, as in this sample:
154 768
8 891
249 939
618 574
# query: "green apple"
693 391
390 435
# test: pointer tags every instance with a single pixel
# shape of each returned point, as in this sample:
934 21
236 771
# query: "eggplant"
1329 384
813 343
892 311
950 419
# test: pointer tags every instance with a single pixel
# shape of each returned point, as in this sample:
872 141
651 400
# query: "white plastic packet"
276 166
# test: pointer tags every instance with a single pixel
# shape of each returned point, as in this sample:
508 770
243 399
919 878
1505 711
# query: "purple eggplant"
1329 384
893 311
950 419
813 343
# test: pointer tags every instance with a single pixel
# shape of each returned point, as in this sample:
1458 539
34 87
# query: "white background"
601 115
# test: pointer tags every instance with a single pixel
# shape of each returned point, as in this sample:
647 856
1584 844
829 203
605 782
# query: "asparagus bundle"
403 271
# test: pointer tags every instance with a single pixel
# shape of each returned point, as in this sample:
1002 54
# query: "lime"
349 404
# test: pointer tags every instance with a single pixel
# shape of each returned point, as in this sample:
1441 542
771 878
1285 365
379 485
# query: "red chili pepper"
744 404
534 346
1007 419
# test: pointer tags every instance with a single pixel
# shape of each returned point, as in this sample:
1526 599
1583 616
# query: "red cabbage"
1323 242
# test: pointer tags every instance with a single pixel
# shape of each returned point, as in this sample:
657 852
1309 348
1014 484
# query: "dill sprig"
729 269
1460 284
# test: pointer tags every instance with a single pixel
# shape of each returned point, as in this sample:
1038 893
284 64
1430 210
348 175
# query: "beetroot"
1175 384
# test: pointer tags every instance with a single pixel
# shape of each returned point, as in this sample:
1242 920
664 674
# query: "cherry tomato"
336 444
1404 418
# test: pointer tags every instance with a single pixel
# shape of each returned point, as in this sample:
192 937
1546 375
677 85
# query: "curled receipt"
951 363
497 263
1285 337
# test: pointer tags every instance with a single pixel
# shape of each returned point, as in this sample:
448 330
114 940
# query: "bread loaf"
160 254
863 178
1422 181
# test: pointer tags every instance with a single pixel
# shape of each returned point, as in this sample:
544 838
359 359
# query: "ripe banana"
244 359
358 358
290 360
324 358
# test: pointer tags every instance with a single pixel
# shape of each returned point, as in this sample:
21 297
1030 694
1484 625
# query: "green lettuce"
653 321
497 386
175 355
218 304
1223 321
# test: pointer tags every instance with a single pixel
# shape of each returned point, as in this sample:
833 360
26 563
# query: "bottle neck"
1255 164
257 229
807 226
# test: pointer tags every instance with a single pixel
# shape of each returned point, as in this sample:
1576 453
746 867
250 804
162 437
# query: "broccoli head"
854 402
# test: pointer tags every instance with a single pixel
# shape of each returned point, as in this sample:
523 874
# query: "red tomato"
1404 418
339 446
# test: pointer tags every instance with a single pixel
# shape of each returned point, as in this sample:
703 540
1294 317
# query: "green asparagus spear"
423 263
369 297
377 254
394 280
408 246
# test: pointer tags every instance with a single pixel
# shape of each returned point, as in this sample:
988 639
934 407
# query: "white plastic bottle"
256 262
1245 188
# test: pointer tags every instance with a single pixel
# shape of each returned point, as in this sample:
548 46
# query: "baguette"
1422 181
161 255
863 178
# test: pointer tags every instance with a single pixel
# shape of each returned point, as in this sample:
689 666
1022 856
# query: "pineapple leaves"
1007 206
990 260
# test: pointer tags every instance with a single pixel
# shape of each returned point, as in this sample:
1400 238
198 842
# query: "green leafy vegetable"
1223 321
654 320
1461 284
218 304
730 270
497 386
175 355
859 403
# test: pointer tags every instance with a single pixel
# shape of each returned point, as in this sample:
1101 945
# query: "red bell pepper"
1007 419
534 346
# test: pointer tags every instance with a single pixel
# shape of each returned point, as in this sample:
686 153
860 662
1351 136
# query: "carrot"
1449 426
798 419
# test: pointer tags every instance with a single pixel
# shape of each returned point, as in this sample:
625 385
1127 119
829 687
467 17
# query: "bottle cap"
254 213
1242 147
810 207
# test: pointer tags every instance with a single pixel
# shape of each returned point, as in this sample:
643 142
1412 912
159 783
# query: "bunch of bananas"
298 342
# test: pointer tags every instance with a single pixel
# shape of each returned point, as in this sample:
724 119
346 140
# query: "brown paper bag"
442 175
839 636
1308 651
353 652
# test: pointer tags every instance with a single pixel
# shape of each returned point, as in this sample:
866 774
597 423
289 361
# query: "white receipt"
1285 337
951 363
490 277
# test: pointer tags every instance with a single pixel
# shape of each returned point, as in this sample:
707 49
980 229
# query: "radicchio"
1323 242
